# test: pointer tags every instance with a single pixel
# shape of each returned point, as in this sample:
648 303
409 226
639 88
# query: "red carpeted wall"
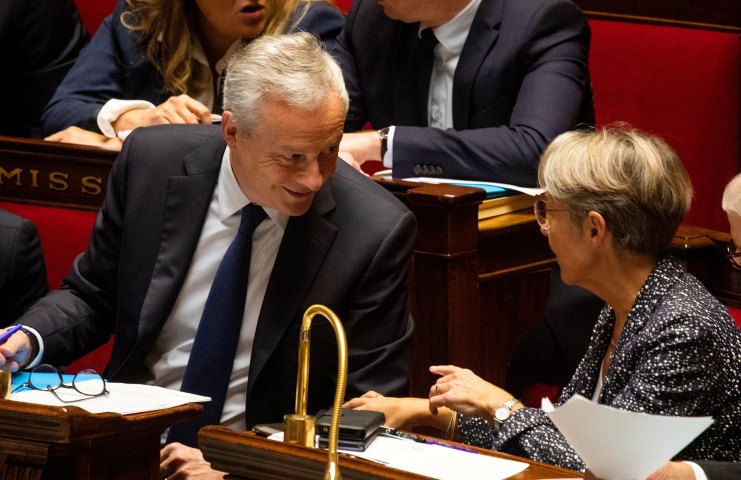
682 84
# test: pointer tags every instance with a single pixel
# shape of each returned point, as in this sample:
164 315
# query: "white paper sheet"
621 445
124 398
433 461
386 174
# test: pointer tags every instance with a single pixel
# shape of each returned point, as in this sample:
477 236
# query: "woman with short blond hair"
662 344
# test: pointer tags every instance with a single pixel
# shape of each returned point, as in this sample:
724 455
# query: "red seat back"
64 235
682 84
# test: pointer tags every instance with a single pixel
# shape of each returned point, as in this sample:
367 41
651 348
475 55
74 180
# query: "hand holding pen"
15 349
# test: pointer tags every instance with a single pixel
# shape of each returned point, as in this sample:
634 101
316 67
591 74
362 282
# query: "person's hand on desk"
358 148
15 352
401 413
180 109
85 137
178 462
461 390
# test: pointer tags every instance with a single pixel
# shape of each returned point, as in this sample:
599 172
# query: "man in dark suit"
23 277
39 42
498 78
696 470
174 202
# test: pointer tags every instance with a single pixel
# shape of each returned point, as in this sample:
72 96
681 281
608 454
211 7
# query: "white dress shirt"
452 37
114 108
169 356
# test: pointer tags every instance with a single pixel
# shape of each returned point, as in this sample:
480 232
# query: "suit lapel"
405 78
186 206
305 244
481 38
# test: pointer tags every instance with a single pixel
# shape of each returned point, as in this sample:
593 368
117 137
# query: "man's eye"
331 149
293 157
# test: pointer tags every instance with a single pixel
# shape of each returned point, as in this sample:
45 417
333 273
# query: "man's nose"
312 175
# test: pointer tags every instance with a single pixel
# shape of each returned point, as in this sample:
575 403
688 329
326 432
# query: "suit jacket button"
417 170
426 170
439 171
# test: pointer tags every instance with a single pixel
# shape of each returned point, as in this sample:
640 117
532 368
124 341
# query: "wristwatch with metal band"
384 133
502 413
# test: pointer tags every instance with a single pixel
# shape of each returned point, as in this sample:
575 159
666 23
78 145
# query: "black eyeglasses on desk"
48 378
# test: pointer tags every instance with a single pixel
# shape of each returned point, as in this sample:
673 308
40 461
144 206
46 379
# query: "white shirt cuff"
113 109
388 159
36 361
699 472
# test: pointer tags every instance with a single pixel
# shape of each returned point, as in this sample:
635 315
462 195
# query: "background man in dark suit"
23 277
39 42
505 78
174 202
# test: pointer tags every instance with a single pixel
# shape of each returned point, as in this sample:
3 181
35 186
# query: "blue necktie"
215 346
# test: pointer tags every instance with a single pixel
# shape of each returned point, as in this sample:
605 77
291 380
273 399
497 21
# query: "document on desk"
124 398
621 445
434 461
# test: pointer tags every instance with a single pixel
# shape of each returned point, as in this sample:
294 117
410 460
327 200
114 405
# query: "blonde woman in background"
161 61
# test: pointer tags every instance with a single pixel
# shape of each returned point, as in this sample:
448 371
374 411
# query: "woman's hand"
669 471
461 390
85 137
180 109
401 413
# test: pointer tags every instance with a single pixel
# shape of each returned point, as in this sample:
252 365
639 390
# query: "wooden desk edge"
71 423
221 446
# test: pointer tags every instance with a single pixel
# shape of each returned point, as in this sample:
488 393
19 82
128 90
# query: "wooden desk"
68 443
247 456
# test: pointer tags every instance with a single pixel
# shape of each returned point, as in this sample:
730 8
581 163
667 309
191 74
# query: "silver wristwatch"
502 413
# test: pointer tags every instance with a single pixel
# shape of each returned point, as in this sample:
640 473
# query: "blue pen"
10 332
449 445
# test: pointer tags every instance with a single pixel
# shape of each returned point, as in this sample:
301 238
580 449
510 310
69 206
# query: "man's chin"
296 207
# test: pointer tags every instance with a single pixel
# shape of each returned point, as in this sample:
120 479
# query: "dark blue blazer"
23 277
522 79
351 252
39 42
115 66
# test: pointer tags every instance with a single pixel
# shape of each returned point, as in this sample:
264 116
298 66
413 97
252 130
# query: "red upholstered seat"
93 12
64 235
682 84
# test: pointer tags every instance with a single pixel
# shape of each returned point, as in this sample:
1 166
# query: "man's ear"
229 129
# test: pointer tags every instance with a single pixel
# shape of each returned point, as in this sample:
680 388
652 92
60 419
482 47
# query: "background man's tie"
215 346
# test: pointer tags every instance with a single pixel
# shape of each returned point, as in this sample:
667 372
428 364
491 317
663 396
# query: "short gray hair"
732 195
293 68
634 180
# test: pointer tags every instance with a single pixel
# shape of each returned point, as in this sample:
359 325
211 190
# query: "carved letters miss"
50 180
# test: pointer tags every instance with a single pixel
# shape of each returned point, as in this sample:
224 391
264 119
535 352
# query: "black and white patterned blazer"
679 354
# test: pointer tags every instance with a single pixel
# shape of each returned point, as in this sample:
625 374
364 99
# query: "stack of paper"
124 398
621 445
434 461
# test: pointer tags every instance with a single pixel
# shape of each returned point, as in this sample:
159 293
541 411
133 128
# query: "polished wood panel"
719 15
702 253
247 456
68 443
53 174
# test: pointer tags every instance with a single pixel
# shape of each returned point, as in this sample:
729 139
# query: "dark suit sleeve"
321 19
344 52
81 315
720 470
97 76
379 327
40 40
25 279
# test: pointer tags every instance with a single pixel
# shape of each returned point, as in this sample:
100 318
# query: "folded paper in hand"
621 445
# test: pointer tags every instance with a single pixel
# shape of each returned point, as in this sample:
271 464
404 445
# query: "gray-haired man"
176 198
